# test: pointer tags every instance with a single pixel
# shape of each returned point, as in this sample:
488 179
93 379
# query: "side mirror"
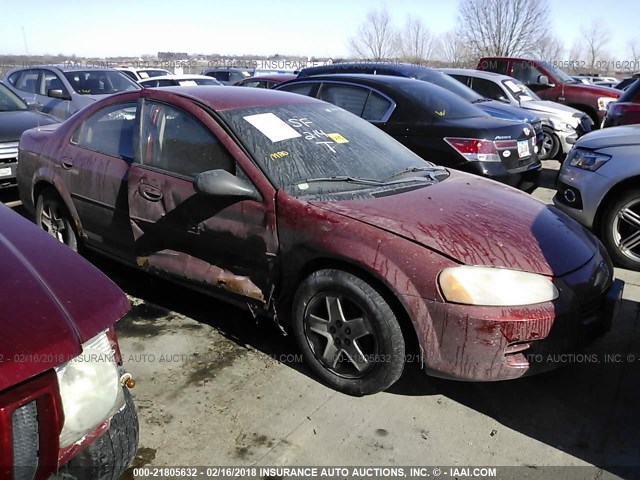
221 183
57 93
503 99
544 80
34 106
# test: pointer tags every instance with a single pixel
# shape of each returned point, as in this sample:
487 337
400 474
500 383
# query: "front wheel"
550 145
620 230
348 333
54 218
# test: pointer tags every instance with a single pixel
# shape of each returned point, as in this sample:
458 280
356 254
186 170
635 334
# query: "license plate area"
6 172
523 148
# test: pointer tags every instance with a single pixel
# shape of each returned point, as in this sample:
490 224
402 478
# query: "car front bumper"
474 343
580 192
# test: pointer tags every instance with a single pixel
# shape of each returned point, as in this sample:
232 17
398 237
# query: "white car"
179 81
138 74
562 125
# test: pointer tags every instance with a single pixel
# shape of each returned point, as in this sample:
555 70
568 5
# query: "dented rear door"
224 244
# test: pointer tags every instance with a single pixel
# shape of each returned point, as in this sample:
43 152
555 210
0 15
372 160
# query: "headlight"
90 389
604 101
490 286
587 160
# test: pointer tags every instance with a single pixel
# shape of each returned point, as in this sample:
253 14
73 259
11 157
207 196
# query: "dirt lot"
215 387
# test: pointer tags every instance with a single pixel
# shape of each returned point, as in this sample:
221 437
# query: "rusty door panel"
218 242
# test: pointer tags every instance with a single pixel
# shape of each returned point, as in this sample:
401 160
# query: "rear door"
221 244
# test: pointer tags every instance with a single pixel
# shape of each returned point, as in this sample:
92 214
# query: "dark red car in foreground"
62 405
308 214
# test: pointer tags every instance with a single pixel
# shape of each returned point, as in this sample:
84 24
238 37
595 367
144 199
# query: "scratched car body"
310 215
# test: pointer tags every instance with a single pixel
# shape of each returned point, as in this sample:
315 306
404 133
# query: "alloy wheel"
625 230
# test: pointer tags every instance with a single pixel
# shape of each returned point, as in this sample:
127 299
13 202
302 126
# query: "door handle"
67 164
150 193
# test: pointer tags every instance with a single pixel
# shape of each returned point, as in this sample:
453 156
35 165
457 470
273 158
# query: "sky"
287 27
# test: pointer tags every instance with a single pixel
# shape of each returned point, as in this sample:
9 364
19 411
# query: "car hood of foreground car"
52 301
479 222
12 124
611 137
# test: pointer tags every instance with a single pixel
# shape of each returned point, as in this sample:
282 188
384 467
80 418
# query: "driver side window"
174 141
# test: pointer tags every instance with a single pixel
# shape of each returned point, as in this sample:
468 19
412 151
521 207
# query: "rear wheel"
348 333
550 144
53 217
620 230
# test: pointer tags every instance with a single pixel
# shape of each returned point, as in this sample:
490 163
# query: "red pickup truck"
551 83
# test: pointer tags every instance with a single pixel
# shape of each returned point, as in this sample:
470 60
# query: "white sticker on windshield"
272 127
512 86
303 186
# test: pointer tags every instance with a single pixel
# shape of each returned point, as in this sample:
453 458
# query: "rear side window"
358 100
221 76
497 66
526 73
488 89
26 80
109 131
173 140
300 88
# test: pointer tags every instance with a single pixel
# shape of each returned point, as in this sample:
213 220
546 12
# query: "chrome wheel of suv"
621 229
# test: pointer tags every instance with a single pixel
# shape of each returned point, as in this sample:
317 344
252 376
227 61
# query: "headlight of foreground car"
90 389
587 160
604 101
489 286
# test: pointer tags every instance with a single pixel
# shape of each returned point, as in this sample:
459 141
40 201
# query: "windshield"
558 74
301 147
9 101
449 83
520 90
437 104
100 82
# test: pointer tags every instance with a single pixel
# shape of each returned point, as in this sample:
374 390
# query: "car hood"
596 90
12 124
476 221
52 300
611 137
545 107
509 112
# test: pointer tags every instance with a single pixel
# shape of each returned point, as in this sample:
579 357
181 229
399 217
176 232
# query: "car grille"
26 441
585 125
8 152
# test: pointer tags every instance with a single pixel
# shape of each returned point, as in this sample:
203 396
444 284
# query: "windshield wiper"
481 100
343 178
432 170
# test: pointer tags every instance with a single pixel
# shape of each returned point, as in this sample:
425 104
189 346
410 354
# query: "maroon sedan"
63 405
303 212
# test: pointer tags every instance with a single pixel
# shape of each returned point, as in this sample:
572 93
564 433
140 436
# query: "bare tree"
376 37
634 50
597 38
452 50
503 27
550 48
415 41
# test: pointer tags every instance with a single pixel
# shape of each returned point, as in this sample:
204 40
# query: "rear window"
631 94
437 103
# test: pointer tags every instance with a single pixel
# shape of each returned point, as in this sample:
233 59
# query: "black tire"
53 216
109 455
550 145
361 350
620 222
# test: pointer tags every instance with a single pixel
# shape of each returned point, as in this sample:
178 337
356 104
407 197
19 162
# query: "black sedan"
15 118
434 123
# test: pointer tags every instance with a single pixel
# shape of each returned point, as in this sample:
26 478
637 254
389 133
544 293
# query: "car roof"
364 78
476 73
405 68
183 76
274 76
221 99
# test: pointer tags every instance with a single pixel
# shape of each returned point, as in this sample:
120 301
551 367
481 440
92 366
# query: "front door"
222 244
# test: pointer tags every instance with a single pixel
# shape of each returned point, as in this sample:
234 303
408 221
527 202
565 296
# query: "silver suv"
562 125
599 185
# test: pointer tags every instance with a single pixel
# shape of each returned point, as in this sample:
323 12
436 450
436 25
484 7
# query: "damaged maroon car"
308 214
63 406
